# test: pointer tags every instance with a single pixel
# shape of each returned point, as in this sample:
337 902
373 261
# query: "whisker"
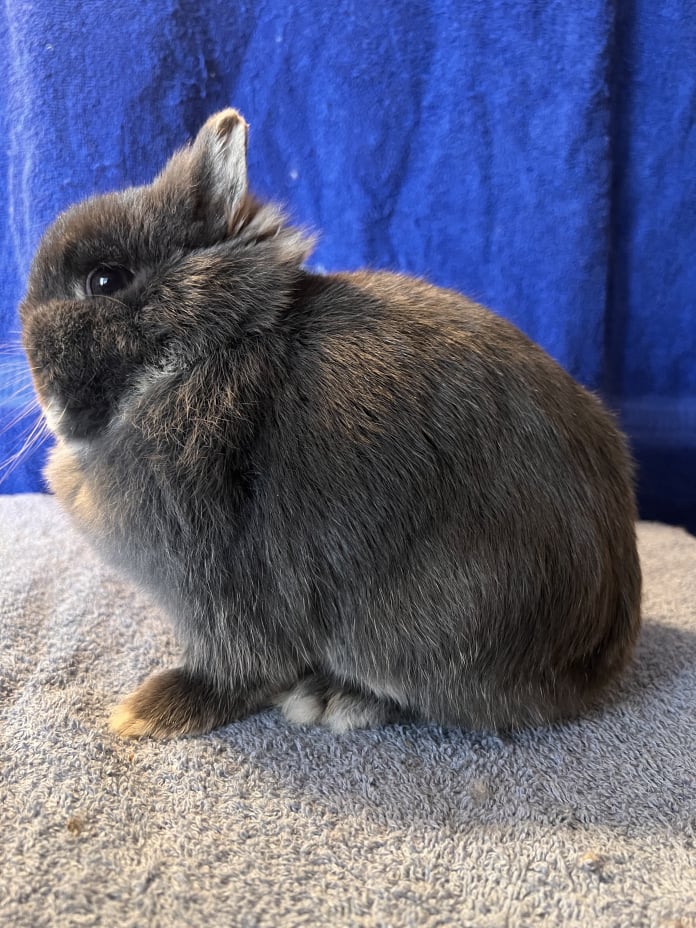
31 368
13 369
19 381
32 431
37 433
28 408
8 349
13 365
16 334
21 389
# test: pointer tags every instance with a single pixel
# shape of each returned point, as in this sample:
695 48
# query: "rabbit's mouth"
69 421
54 413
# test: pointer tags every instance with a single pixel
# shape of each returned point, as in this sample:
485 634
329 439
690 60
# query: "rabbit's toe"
125 722
301 706
347 710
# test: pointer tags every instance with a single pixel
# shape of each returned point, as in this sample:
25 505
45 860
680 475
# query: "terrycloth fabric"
538 157
265 824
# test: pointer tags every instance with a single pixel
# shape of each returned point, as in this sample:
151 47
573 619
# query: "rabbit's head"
153 278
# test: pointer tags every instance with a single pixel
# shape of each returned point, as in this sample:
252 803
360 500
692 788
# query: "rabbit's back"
466 507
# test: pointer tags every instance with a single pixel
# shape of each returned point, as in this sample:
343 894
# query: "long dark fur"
357 495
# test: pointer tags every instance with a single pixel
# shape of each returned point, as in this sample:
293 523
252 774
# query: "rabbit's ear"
219 163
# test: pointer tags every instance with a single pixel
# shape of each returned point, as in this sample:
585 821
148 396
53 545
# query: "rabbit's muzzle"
81 363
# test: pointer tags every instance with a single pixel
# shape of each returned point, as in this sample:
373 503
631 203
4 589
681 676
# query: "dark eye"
105 280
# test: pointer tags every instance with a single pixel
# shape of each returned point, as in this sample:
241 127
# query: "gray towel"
265 824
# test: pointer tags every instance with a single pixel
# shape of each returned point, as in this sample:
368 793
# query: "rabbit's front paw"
346 710
317 700
168 704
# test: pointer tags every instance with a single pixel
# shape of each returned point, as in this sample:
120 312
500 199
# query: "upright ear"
219 162
213 170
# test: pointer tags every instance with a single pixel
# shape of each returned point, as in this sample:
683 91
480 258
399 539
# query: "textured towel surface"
539 157
263 824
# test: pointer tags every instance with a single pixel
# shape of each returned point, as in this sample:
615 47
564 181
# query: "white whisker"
27 409
38 431
22 389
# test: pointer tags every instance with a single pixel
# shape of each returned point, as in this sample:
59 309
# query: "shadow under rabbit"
575 773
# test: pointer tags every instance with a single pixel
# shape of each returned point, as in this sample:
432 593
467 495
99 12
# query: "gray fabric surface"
262 824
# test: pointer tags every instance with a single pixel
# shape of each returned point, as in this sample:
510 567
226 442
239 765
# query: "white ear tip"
226 123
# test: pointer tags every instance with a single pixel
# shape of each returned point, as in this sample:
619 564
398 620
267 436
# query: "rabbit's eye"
105 280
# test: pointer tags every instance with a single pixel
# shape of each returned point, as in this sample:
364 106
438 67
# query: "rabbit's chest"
115 520
67 480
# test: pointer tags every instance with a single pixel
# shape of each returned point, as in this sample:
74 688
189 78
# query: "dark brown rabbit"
358 496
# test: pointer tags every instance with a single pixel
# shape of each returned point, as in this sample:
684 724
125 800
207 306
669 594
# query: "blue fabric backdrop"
540 157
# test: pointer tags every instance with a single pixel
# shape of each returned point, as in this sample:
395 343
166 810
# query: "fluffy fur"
358 496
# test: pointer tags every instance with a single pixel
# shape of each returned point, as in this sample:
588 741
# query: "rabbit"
359 497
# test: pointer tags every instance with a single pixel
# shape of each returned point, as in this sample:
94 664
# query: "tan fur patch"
125 723
67 480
